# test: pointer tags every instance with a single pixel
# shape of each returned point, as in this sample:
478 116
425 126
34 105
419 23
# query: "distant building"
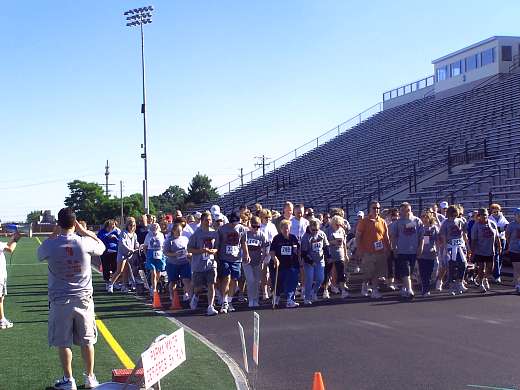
47 217
460 70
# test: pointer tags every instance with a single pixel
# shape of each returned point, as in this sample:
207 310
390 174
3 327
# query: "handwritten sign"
163 357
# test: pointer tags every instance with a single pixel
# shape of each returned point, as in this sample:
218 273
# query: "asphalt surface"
440 342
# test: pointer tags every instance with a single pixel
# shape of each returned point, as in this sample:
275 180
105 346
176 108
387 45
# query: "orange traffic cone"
317 383
156 301
176 303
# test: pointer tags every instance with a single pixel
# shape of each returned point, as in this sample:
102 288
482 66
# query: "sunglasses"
255 226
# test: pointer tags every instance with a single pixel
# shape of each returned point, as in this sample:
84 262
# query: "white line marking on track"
376 324
490 387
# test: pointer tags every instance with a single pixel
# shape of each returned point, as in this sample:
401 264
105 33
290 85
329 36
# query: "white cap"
361 214
215 209
443 205
218 216
198 215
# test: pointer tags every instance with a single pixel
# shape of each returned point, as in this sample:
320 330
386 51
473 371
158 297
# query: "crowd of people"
257 254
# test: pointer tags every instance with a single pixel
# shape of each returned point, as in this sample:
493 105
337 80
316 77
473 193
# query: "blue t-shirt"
109 238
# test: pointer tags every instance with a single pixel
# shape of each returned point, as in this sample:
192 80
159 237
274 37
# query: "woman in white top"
269 229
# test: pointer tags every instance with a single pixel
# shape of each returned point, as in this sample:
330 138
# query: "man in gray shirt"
71 307
203 245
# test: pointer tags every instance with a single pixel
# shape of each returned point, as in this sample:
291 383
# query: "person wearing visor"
485 243
232 251
257 246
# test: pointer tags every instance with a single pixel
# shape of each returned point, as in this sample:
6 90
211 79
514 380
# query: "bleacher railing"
279 162
409 88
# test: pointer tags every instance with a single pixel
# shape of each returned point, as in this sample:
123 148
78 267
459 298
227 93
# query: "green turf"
27 362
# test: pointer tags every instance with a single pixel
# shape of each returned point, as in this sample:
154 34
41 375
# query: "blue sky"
226 81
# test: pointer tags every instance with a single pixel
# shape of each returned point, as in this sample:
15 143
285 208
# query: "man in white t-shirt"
298 223
5 247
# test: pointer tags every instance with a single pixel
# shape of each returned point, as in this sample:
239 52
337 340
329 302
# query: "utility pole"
241 176
107 173
262 163
122 205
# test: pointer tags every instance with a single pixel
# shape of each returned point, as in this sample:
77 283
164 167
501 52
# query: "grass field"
28 363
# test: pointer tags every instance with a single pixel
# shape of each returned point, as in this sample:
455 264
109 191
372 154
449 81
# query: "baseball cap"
443 205
360 214
215 209
198 215
218 217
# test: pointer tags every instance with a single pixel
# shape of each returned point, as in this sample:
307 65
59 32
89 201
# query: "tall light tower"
139 17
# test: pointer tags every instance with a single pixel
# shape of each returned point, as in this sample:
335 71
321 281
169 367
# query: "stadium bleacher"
402 153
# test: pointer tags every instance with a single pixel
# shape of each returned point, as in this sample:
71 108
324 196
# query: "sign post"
256 337
163 356
244 351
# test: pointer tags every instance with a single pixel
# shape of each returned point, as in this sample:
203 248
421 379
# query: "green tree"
200 190
86 199
34 216
171 199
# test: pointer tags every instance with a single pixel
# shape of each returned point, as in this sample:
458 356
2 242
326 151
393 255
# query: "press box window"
471 62
442 73
507 53
487 56
455 68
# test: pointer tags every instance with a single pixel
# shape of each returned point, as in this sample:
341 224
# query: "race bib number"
457 242
157 255
232 250
337 235
378 245
207 256
316 247
426 240
286 250
253 242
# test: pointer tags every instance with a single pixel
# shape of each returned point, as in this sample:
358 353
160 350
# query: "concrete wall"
407 98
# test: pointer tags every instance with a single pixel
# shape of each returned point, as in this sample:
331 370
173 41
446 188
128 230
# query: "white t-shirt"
298 227
3 264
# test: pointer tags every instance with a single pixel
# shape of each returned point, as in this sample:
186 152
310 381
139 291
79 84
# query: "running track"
441 342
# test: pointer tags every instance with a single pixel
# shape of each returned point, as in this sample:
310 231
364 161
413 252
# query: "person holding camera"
8 247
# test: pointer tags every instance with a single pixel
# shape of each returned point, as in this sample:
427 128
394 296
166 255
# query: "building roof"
472 47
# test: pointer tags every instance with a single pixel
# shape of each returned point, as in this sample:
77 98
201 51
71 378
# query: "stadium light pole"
139 17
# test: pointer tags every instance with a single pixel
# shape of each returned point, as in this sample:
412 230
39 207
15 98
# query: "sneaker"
118 286
463 287
224 308
334 290
357 270
364 289
291 304
242 298
307 302
344 293
194 302
483 288
486 283
5 324
211 311
266 296
426 294
392 286
498 280
91 381
110 288
326 294
376 294
403 292
186 297
65 384
438 285
230 307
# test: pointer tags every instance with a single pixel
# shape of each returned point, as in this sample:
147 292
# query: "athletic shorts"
226 268
72 322
374 265
204 279
515 257
178 271
157 265
484 259
3 287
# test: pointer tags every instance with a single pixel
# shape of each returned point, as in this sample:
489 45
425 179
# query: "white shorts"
72 322
3 287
